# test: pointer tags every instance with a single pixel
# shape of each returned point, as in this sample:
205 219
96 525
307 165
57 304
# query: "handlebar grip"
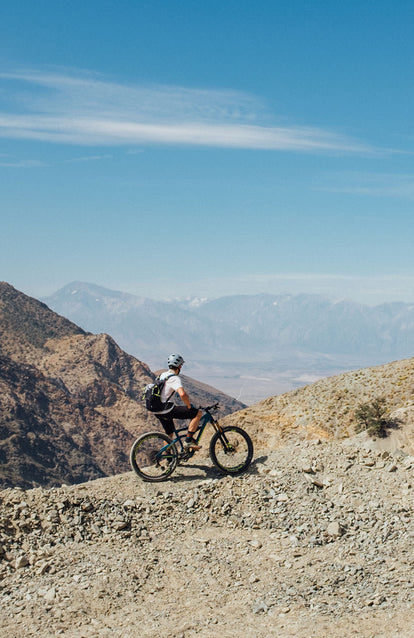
215 406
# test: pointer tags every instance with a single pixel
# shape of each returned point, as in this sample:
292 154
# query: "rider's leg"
193 425
182 412
167 423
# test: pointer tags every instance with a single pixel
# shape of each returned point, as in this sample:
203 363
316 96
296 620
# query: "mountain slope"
47 436
326 408
26 324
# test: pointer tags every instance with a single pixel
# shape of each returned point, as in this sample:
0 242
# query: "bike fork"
226 445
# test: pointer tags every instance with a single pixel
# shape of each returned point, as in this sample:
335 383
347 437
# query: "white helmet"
175 360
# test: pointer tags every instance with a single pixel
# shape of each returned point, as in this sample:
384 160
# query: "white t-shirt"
172 384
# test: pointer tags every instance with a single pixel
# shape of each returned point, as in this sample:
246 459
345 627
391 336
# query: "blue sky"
174 148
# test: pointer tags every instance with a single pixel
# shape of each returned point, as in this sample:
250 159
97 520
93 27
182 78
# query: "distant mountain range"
257 344
70 400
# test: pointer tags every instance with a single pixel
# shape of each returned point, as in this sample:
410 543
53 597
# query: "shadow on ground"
210 471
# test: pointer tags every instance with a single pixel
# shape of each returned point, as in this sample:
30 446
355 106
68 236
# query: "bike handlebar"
208 408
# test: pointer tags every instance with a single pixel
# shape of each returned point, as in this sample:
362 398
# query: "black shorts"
178 412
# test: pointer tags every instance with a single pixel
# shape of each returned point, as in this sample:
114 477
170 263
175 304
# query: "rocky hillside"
315 541
48 436
70 401
326 408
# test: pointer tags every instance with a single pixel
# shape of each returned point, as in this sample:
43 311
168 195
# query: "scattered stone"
307 467
274 473
42 567
50 595
330 552
315 480
255 543
260 607
335 529
21 561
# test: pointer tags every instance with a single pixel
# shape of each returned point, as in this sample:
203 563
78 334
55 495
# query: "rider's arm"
184 397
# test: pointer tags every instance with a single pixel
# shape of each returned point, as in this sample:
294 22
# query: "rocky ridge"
48 436
327 408
315 540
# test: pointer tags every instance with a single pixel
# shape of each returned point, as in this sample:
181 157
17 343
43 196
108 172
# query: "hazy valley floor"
315 541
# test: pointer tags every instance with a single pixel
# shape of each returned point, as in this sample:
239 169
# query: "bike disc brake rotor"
162 461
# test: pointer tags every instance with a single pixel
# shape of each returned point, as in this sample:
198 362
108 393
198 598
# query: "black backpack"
152 395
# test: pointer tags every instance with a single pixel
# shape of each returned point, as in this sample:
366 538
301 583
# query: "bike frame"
204 421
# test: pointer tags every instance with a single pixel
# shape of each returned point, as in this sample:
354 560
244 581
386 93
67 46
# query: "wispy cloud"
11 162
372 185
87 158
85 110
22 163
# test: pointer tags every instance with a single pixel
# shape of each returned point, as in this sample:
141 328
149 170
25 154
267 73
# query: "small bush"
371 417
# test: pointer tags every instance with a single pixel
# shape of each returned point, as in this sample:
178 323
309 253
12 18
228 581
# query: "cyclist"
174 385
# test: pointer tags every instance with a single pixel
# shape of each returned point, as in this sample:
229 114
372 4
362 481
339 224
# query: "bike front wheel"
153 456
231 450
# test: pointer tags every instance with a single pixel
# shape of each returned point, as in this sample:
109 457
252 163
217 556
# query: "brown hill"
48 436
326 409
74 395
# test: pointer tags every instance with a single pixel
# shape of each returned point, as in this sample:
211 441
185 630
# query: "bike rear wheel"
231 450
153 457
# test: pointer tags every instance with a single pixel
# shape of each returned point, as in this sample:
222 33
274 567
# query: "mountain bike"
154 455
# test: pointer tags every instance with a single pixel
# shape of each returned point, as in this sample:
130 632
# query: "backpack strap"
165 380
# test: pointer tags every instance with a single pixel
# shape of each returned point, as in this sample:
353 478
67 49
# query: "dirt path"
316 541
